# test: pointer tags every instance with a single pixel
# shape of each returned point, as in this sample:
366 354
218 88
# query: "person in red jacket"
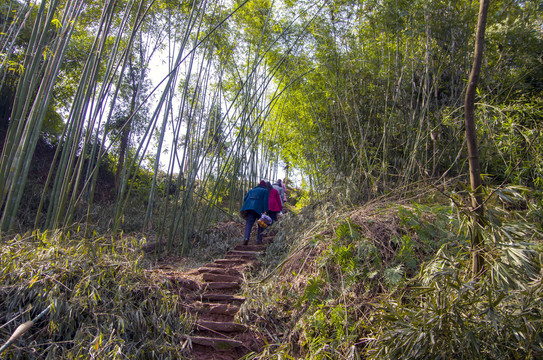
275 205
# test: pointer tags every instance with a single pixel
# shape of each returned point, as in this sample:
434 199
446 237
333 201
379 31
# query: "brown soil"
211 295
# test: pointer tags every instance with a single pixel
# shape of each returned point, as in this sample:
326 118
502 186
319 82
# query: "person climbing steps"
255 203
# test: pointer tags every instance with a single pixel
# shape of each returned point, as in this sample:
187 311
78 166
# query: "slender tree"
477 242
134 88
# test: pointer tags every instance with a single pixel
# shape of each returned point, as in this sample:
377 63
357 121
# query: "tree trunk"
477 242
127 126
122 154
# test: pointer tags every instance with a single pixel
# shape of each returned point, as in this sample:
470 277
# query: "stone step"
217 309
239 257
230 261
224 298
218 266
211 277
230 264
245 253
250 247
225 309
220 326
219 271
221 285
219 344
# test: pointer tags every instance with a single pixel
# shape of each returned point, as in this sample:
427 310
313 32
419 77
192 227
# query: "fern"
394 276
450 316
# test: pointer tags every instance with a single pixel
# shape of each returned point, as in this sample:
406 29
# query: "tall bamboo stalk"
15 166
202 166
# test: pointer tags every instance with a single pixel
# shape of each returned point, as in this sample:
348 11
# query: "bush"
446 314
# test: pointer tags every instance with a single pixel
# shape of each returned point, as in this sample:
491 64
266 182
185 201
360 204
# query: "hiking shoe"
245 242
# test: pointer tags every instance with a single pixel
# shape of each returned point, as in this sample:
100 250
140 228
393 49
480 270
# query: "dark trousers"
273 215
251 218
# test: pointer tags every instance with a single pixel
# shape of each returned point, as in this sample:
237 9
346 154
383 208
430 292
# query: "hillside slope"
386 279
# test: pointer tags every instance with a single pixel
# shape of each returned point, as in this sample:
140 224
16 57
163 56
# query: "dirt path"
211 294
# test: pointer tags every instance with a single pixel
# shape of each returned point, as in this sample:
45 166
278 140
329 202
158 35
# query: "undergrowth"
386 280
105 304
391 279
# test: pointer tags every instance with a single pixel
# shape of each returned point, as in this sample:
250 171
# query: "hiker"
277 186
284 186
275 203
255 203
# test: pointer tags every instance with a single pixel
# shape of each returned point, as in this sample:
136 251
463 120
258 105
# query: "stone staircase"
216 335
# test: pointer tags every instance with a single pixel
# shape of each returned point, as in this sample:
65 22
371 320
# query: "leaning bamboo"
29 132
23 328
201 160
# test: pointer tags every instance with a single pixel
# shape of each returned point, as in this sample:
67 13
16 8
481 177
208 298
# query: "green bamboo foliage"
200 160
66 180
369 102
209 114
32 98
372 97
11 31
103 300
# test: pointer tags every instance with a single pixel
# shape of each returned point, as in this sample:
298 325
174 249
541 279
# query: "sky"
158 71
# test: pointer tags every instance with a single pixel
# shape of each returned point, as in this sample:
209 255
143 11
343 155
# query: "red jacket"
275 201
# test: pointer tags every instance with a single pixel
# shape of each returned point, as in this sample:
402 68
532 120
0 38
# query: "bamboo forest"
271 179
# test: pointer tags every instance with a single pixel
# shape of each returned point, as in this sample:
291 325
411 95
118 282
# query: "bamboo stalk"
23 328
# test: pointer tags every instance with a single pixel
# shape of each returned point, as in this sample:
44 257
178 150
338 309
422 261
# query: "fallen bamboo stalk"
23 328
